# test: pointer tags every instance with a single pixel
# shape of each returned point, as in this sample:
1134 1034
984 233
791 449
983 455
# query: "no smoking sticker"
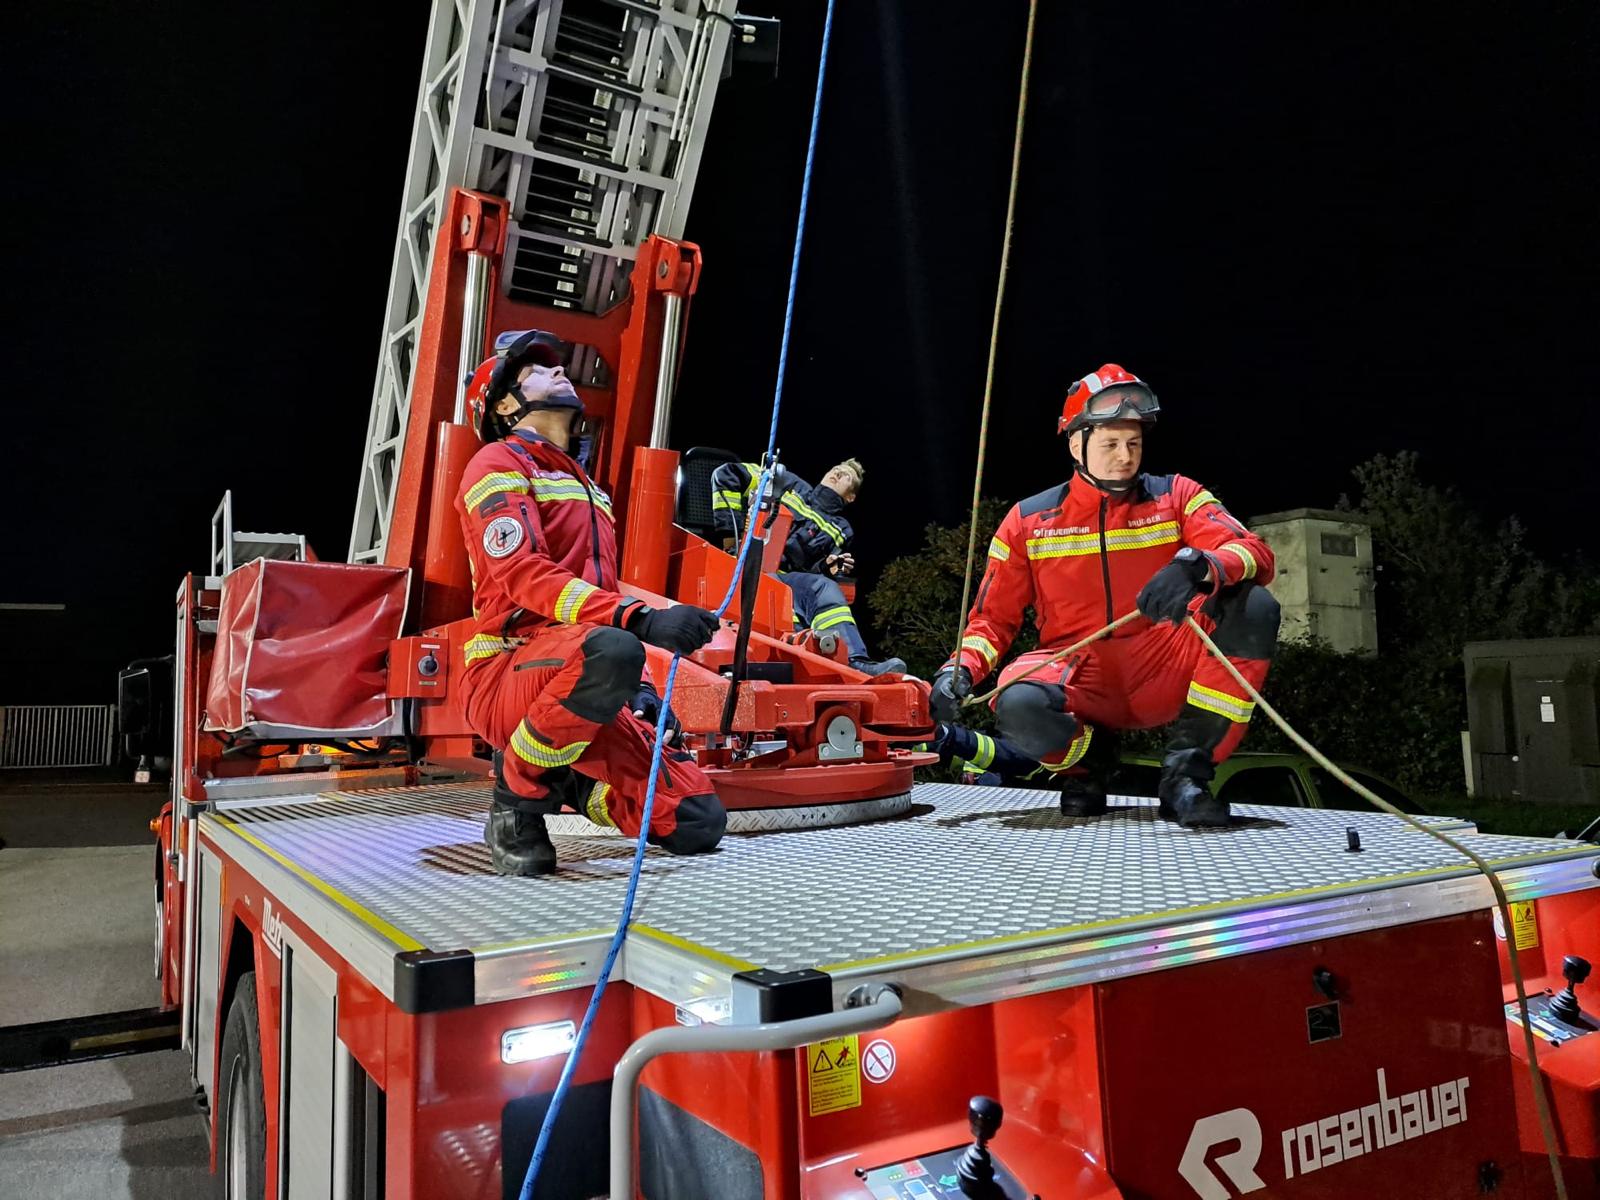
877 1061
833 1075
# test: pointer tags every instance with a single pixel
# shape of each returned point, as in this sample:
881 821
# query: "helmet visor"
1129 401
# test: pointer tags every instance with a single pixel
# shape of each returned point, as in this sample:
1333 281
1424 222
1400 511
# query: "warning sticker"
833 1075
1524 925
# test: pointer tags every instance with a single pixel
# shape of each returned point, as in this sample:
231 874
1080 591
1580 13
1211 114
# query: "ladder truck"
876 988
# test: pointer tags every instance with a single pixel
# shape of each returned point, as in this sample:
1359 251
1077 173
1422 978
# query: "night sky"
1320 234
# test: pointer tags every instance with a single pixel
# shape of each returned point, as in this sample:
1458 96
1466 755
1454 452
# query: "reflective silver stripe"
983 646
1236 710
1245 557
839 614
570 601
540 754
499 481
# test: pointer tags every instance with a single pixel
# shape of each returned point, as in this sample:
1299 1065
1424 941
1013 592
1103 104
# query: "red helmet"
1109 394
497 375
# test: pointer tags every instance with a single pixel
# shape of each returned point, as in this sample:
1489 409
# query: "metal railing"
57 735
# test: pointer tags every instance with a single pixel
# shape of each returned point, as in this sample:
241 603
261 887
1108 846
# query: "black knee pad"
613 665
1248 624
701 823
1034 717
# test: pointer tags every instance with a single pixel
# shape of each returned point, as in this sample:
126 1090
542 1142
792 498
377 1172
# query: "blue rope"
626 918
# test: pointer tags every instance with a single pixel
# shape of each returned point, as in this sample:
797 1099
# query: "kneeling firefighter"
554 671
1082 554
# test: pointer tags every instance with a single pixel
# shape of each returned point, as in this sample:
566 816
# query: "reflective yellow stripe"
595 806
985 755
730 500
1236 710
531 749
571 600
1069 545
499 481
1199 501
1245 556
1075 752
792 500
999 550
484 645
839 614
983 646
561 491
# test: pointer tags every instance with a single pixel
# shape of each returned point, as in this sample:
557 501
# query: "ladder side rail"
457 45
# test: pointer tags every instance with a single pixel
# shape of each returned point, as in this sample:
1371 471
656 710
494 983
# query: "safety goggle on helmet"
497 375
1109 394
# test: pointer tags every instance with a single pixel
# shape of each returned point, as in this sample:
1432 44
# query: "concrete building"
1325 576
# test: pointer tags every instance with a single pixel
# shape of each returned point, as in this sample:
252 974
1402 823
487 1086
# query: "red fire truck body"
370 1011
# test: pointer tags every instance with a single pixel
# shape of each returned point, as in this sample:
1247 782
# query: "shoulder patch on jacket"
1051 497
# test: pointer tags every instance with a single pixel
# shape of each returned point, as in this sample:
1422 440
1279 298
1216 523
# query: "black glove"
1167 594
646 706
683 628
950 687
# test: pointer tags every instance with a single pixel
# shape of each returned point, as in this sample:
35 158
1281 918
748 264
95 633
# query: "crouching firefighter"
816 552
1087 551
554 670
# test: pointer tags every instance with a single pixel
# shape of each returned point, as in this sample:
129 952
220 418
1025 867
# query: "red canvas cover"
301 649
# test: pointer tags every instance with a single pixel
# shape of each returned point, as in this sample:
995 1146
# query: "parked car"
1286 780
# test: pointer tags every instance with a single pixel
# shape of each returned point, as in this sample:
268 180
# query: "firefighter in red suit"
554 670
1087 551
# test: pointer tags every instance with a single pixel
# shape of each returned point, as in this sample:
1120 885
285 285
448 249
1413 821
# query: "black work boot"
867 667
1083 788
518 842
1082 795
1186 774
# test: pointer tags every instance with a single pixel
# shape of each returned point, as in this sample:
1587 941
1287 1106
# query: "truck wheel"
240 1108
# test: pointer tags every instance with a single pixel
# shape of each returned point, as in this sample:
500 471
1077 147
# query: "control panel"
935 1177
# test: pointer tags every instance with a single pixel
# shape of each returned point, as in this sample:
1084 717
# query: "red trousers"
1148 678
558 705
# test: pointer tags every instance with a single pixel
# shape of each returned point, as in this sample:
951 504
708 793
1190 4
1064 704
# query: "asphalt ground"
77 873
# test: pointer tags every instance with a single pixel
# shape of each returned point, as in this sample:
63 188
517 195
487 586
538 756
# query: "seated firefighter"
554 671
1082 554
815 554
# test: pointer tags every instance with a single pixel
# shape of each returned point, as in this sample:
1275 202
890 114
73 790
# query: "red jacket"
541 542
1079 556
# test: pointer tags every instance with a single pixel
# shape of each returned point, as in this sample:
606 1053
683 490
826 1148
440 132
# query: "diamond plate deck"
976 892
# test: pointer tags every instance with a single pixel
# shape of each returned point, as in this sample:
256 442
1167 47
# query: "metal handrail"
873 1010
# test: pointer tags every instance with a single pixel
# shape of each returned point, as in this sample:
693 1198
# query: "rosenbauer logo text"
1317 1144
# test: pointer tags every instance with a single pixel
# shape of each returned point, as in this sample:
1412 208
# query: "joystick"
976 1168
1564 1007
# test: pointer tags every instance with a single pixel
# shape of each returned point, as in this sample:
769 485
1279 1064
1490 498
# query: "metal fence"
57 735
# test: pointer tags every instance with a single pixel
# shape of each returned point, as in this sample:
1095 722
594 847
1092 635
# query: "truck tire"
240 1107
